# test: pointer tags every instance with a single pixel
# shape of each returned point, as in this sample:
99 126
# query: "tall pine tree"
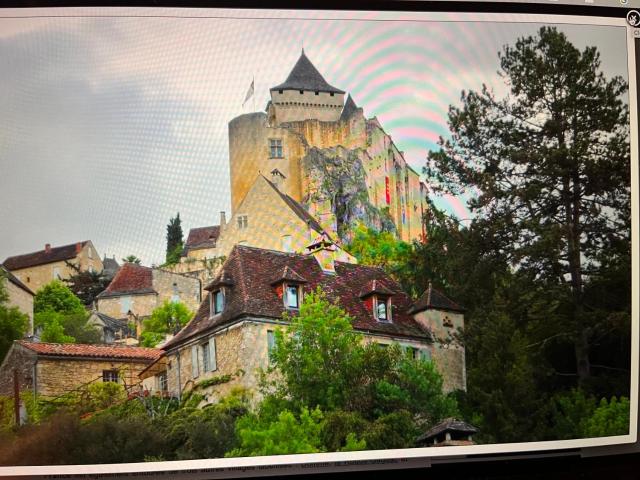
551 168
174 240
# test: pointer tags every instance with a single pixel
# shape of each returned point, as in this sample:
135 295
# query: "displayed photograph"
241 235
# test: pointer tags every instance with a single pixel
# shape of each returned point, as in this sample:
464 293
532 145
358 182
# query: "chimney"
223 220
78 247
277 178
324 251
47 248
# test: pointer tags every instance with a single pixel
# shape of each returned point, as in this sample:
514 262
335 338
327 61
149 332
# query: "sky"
109 126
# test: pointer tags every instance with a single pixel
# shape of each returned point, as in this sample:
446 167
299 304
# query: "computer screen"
250 241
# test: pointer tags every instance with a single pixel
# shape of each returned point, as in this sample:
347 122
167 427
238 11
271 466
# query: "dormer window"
217 302
292 296
382 308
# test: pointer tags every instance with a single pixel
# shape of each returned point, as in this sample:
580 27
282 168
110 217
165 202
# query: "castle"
341 166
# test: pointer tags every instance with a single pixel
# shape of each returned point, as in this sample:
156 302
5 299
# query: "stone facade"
242 349
21 299
447 354
117 306
51 376
35 277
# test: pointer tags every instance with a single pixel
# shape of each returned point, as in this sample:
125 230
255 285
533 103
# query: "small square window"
271 344
243 222
292 296
162 382
275 148
110 376
205 357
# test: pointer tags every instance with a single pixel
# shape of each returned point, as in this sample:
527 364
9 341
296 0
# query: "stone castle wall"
185 288
296 105
18 359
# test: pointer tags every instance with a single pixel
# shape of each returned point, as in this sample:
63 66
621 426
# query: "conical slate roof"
349 108
304 76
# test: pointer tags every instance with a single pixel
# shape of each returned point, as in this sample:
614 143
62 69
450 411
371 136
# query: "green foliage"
13 323
610 418
131 259
86 285
379 249
167 318
57 297
174 240
317 354
104 394
285 434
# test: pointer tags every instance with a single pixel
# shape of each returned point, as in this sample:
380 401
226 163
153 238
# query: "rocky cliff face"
338 181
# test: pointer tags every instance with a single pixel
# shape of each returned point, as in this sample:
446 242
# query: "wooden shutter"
194 361
212 354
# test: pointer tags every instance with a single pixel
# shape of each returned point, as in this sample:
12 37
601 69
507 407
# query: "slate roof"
298 209
112 323
131 279
252 295
202 237
448 425
42 257
432 298
304 76
15 280
95 351
349 108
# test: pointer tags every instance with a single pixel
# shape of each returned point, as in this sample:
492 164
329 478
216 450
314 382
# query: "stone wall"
448 355
18 297
39 275
185 288
296 105
269 221
20 359
59 375
240 351
141 305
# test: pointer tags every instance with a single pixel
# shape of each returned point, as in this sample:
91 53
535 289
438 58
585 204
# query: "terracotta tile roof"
252 295
305 76
131 279
15 280
41 257
432 298
373 287
202 237
95 351
288 274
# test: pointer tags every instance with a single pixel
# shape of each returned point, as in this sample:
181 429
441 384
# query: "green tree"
57 297
167 318
86 285
610 418
550 165
287 434
131 259
379 249
13 323
174 240
61 316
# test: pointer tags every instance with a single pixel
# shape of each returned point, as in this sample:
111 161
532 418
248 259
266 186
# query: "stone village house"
52 369
136 291
233 329
53 263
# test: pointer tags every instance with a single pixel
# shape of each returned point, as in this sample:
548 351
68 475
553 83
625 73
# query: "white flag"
249 93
